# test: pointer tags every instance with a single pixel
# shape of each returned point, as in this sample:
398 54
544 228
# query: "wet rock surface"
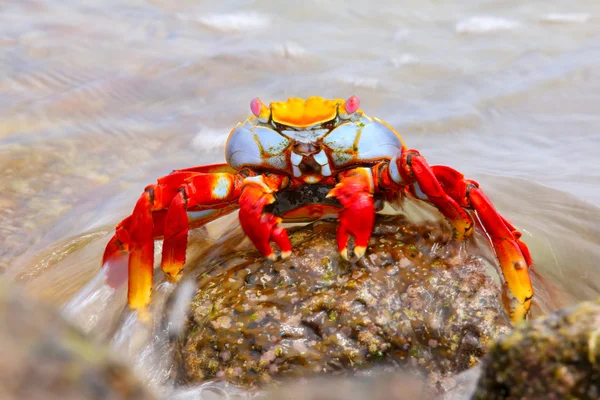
43 357
554 357
400 307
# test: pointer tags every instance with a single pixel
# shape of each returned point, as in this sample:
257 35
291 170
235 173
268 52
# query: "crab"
300 160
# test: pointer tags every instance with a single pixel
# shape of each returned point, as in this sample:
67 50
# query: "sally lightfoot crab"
300 160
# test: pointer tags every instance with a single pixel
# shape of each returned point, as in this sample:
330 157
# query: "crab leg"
355 194
517 290
426 186
141 249
160 212
201 191
135 235
259 226
447 189
513 255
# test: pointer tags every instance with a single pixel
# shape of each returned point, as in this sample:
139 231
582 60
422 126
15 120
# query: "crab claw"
259 226
355 193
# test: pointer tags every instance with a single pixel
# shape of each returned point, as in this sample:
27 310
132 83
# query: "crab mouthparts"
309 158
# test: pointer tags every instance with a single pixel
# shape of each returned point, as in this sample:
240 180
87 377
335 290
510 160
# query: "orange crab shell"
300 113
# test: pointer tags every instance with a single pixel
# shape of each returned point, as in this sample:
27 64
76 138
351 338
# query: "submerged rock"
43 357
554 357
401 306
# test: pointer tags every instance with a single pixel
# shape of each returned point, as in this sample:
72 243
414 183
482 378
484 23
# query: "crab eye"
349 107
352 104
255 106
262 112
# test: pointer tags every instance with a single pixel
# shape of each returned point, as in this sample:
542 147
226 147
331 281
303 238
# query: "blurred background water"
99 98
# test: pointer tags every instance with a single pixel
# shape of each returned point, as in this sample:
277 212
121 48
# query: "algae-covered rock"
43 357
554 357
402 305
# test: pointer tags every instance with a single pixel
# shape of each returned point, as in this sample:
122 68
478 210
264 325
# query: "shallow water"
98 98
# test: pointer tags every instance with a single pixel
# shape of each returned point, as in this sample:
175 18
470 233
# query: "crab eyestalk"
349 107
262 112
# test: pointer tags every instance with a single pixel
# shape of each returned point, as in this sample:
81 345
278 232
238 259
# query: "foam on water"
566 18
210 139
404 59
291 50
236 22
360 82
485 24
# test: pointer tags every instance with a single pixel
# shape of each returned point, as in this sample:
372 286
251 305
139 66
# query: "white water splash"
179 310
482 25
95 309
566 18
236 22
404 59
211 391
210 139
144 340
362 82
290 50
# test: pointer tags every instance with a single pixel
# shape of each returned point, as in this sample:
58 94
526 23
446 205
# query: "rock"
43 357
254 322
553 357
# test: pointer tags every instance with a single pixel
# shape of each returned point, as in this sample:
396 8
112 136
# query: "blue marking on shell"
271 141
278 162
341 142
245 142
378 141
342 137
242 149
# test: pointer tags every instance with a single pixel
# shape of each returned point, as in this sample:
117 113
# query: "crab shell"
310 139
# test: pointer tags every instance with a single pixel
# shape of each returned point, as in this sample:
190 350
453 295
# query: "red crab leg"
161 195
449 192
517 290
458 188
259 226
141 251
201 191
512 253
517 235
427 187
355 194
149 221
